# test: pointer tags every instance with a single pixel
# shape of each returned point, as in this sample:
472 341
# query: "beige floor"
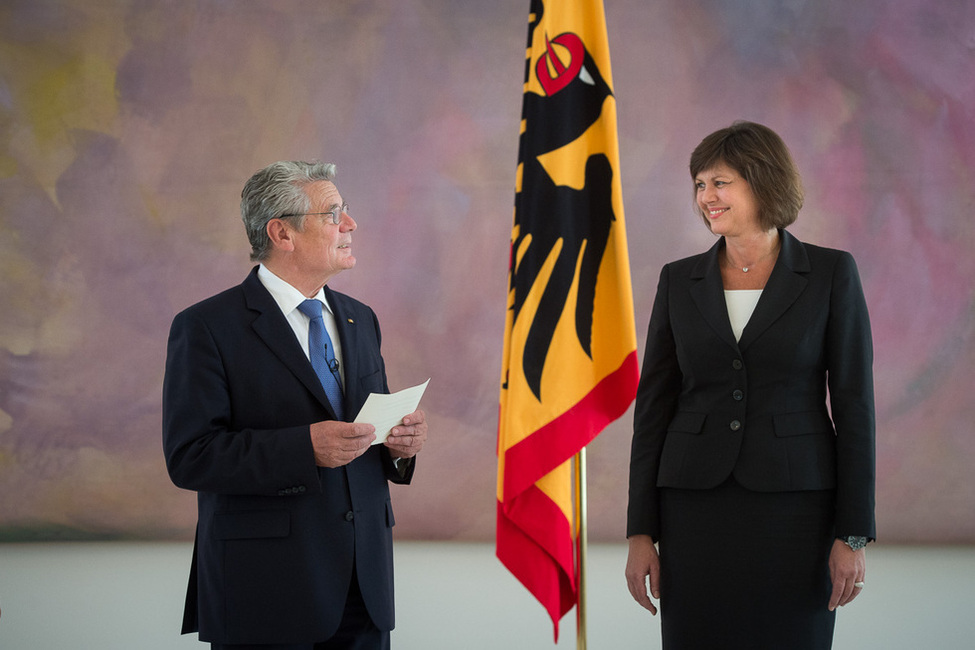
129 596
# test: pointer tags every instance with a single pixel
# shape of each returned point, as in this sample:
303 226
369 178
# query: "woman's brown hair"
759 155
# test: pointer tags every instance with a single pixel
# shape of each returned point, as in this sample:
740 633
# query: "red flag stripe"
563 437
544 561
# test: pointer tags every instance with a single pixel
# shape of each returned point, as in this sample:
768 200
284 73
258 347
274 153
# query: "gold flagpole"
581 548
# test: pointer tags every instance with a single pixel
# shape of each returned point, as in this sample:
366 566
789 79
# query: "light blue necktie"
322 356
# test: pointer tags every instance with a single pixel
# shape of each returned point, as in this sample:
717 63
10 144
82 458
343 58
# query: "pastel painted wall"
128 127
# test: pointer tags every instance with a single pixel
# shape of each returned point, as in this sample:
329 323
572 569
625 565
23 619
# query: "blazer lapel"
784 286
707 291
272 327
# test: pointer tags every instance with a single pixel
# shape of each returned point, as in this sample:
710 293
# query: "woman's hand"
848 571
641 562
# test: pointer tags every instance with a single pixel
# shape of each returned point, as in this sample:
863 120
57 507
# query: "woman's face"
727 202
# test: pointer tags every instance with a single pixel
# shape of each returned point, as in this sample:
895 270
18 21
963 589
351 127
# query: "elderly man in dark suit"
294 539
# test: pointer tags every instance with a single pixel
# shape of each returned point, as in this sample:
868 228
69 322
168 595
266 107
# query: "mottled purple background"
127 129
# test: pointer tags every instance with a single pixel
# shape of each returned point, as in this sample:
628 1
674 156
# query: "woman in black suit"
760 498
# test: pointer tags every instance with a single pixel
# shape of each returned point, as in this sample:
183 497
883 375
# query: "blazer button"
735 425
738 395
349 516
737 364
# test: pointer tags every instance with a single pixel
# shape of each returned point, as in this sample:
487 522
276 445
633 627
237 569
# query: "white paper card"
386 411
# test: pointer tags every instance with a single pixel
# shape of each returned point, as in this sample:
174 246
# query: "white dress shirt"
288 298
741 303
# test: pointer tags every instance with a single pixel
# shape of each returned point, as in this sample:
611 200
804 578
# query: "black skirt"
743 569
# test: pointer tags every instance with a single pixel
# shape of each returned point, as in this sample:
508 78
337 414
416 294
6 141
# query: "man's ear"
280 234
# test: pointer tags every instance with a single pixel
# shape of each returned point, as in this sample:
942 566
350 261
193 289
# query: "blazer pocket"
252 525
687 422
801 424
372 382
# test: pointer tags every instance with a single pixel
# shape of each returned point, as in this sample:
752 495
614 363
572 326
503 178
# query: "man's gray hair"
277 190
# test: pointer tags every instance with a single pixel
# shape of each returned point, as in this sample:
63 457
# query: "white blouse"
741 303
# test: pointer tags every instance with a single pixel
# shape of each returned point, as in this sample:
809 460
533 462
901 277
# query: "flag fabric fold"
569 363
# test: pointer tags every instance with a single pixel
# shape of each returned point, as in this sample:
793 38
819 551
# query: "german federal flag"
569 365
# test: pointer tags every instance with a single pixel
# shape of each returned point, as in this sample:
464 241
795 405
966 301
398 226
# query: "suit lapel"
707 291
784 286
272 327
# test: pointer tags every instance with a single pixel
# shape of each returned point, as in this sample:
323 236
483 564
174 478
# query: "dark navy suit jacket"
277 537
709 407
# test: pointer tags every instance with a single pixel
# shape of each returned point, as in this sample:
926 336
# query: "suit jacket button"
735 425
349 516
301 488
738 395
737 364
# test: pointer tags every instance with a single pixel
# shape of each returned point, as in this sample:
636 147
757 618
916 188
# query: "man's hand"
641 562
406 439
848 571
339 443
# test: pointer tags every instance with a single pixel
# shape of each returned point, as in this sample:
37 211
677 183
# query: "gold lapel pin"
350 320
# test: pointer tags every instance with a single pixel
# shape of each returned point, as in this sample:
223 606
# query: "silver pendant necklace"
745 269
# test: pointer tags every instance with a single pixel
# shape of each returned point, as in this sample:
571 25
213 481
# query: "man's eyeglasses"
335 213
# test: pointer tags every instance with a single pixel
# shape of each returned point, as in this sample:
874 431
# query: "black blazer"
277 537
709 407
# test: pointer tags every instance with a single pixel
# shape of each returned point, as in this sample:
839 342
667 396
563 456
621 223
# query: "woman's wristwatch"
855 542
